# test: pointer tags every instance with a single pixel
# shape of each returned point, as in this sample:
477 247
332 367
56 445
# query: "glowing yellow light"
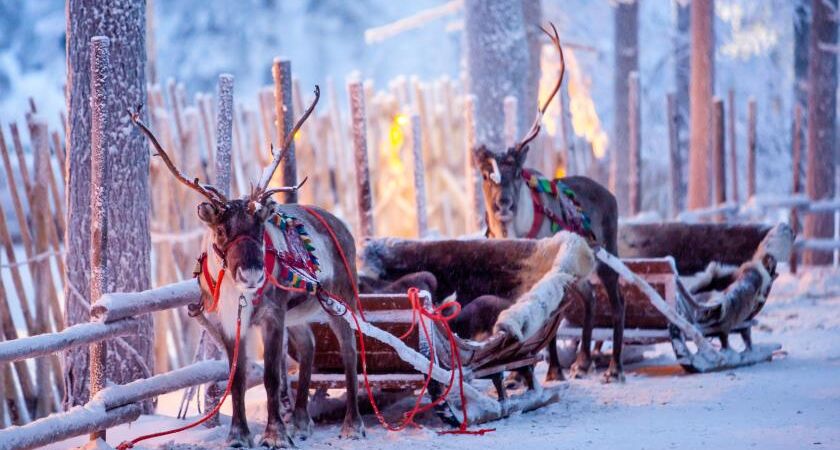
297 135
585 121
401 119
560 172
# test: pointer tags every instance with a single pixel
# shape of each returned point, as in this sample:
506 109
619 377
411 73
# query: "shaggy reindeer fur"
573 261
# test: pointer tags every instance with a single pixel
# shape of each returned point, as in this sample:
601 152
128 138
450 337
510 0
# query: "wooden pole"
99 199
281 70
752 113
355 90
718 152
733 150
475 213
419 177
635 148
797 177
674 155
224 132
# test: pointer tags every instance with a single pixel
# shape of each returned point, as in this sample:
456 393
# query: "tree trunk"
123 21
497 63
822 116
682 82
801 40
532 17
702 89
626 48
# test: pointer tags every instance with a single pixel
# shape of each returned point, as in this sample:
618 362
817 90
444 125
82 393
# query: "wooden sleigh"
519 268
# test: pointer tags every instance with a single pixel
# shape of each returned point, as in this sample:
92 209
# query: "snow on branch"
116 306
74 336
384 32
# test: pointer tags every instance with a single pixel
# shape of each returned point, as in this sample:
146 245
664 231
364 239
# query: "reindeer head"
502 172
237 226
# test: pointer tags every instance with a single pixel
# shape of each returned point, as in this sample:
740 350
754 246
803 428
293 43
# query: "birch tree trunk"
702 89
682 81
123 21
822 126
497 64
626 60
532 17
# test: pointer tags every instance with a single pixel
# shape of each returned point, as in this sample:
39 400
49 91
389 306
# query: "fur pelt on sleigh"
528 278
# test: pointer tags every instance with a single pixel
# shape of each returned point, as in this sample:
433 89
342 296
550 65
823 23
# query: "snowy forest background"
193 41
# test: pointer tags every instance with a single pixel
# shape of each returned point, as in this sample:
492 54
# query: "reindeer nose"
504 203
250 278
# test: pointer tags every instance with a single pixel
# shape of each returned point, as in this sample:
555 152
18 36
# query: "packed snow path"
792 402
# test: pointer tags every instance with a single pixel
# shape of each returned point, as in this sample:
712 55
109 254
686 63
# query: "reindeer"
238 231
515 210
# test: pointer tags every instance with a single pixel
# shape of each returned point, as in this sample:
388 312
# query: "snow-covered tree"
801 36
497 65
123 22
702 90
681 47
626 60
822 121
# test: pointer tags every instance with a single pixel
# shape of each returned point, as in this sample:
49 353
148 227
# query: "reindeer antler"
262 196
211 193
278 155
535 128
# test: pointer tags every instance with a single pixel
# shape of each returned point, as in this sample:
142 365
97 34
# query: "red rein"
437 315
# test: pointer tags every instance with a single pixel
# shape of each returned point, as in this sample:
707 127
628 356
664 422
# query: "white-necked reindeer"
243 233
520 203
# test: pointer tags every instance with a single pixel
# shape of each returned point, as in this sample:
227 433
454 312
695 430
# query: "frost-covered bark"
801 38
822 122
100 70
682 76
626 60
419 177
224 132
356 93
702 89
497 65
123 21
282 72
532 16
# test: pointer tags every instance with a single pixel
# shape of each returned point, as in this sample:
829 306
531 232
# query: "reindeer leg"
555 372
746 336
239 435
610 280
275 435
584 358
304 341
353 427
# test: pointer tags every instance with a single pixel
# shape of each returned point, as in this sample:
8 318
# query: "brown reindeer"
236 242
515 210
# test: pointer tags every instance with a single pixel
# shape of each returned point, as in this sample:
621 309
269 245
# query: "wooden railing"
114 315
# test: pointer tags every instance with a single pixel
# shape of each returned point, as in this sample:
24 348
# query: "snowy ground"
792 402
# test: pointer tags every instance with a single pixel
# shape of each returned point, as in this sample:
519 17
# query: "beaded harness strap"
572 218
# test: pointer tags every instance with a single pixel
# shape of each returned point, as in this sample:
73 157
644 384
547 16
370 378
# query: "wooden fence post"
733 150
674 155
796 178
100 69
475 197
511 105
224 132
751 143
419 176
634 128
718 152
281 70
356 93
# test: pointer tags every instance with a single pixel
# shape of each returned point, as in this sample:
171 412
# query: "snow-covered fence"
113 315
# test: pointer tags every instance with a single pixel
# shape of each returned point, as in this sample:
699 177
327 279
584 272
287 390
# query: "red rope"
125 445
418 310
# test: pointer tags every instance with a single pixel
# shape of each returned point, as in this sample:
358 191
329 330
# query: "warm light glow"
560 172
396 137
585 121
297 135
401 119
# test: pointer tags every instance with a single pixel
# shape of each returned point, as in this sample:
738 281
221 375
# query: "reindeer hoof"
302 425
554 374
238 439
613 374
275 442
514 380
580 368
353 429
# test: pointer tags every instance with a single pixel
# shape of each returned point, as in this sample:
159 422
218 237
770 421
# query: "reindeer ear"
208 213
480 154
522 154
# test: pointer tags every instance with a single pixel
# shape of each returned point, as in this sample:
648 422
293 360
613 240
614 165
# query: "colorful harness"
298 267
573 219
